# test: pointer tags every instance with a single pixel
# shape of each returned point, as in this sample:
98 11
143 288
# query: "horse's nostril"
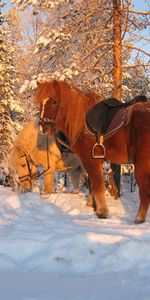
43 129
46 120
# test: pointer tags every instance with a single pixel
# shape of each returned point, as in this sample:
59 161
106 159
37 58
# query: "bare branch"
136 65
126 22
137 12
100 57
95 48
123 66
136 48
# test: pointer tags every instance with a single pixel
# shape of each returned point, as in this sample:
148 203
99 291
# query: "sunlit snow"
57 249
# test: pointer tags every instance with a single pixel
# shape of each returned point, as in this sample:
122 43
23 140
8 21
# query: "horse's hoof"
45 194
76 191
137 221
103 215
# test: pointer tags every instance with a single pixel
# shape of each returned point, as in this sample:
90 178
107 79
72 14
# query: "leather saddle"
106 118
101 115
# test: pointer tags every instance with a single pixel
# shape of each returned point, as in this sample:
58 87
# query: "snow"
57 249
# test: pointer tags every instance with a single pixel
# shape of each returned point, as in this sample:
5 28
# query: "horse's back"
140 127
141 117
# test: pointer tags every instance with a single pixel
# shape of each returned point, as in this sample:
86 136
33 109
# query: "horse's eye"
54 102
23 165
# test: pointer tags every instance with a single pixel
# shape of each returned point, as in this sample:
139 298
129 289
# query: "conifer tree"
6 95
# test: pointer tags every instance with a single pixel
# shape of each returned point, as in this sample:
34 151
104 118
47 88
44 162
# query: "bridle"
51 122
44 121
30 163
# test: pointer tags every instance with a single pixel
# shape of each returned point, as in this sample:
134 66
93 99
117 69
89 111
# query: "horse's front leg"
94 168
91 200
95 171
48 182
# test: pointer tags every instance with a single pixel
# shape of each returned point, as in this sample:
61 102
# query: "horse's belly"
116 148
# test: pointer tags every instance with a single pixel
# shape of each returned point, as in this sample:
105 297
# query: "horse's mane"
74 103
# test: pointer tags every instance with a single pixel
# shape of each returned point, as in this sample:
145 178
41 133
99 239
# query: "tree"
75 42
6 95
117 65
117 72
117 50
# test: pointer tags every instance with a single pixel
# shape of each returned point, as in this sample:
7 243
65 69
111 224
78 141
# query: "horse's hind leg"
97 186
143 181
75 177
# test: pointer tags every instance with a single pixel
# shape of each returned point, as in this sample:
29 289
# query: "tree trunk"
117 50
117 71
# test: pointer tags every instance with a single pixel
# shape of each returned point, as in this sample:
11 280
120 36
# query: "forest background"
70 40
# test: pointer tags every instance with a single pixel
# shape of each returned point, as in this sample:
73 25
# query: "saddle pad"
120 120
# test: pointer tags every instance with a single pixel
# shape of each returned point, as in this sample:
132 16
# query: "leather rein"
30 163
29 176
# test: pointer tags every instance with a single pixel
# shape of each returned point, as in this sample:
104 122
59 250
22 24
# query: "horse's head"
48 97
27 173
62 108
25 168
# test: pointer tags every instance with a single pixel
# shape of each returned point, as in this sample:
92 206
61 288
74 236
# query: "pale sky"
139 5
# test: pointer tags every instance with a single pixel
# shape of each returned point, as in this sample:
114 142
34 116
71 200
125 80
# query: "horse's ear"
18 148
55 84
56 88
38 84
13 153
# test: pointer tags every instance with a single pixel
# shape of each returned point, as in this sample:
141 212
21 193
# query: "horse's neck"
74 108
28 136
48 155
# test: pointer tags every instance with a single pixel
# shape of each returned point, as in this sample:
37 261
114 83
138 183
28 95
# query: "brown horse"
64 107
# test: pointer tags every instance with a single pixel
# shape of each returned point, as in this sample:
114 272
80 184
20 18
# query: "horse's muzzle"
43 130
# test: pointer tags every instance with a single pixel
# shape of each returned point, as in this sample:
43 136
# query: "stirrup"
101 148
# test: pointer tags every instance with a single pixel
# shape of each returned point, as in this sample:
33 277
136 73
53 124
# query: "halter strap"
29 162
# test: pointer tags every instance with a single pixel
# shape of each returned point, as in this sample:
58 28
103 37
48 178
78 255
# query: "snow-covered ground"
57 249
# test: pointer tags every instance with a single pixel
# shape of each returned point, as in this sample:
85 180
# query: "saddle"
99 118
